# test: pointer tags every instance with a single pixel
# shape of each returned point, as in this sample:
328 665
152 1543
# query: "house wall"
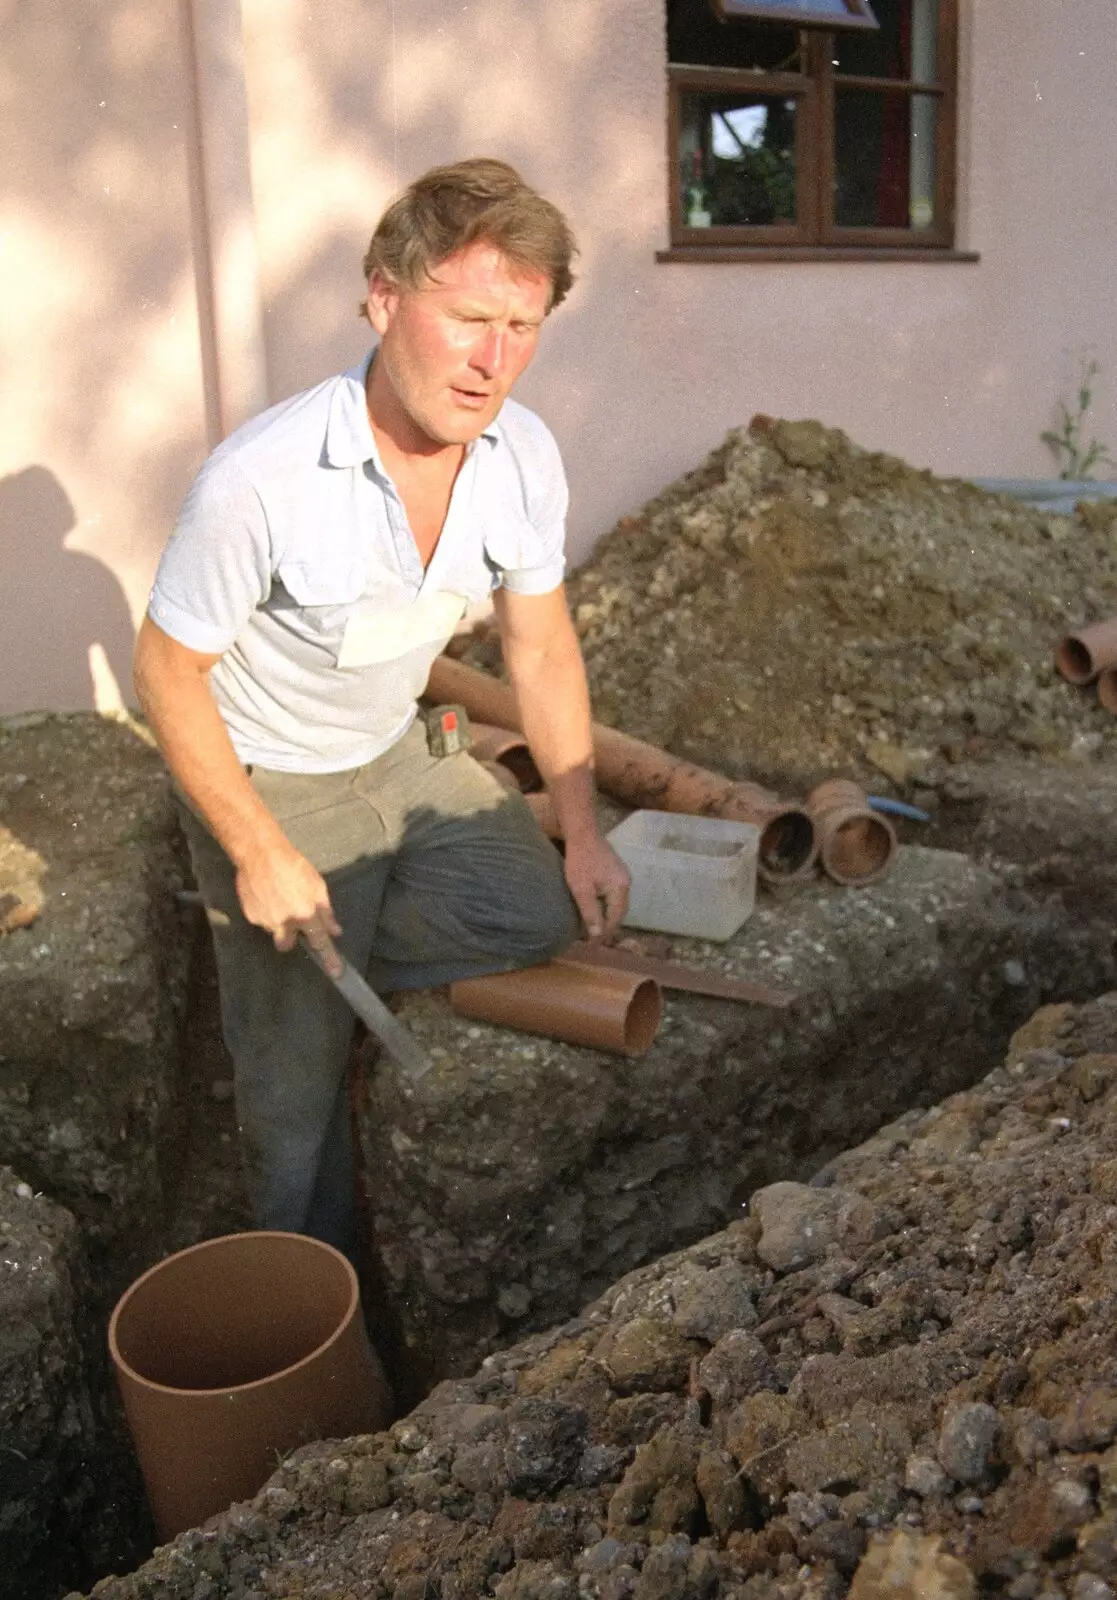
100 376
955 366
115 370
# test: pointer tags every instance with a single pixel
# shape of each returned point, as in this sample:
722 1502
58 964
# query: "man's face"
451 350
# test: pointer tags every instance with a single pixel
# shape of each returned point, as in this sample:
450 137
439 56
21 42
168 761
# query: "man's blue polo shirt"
293 560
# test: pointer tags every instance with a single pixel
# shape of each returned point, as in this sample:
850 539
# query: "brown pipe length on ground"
1080 656
641 775
1107 688
855 843
591 1006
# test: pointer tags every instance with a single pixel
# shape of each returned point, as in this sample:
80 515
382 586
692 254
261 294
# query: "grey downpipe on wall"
222 215
1049 494
233 1352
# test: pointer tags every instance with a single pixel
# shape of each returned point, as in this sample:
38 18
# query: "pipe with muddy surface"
1080 656
856 844
600 1008
642 776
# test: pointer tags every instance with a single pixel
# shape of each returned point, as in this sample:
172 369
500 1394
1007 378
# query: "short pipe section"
233 1352
505 748
598 1008
855 843
1107 689
1080 656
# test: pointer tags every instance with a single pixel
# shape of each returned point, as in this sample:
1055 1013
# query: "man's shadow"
65 616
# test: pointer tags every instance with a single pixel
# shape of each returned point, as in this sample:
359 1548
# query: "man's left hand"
598 879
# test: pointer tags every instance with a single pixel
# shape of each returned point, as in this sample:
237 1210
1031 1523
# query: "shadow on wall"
67 627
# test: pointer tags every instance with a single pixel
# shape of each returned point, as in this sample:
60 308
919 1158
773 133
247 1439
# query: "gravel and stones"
925 1408
523 1175
91 993
46 1420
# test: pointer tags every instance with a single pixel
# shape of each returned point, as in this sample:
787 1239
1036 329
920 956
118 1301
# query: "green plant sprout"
1067 443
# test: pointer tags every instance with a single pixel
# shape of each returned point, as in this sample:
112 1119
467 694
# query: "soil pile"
898 1379
798 606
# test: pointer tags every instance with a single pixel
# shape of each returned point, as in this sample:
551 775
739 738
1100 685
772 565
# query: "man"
323 558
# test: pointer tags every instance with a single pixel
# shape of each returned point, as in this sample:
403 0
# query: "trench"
734 1102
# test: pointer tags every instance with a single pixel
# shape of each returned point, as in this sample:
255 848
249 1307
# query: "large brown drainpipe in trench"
640 775
597 1007
230 1354
1081 656
856 844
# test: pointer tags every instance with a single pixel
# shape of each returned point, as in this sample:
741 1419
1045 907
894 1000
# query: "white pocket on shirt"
374 635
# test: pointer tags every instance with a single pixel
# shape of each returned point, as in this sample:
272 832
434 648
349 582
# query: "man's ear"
383 298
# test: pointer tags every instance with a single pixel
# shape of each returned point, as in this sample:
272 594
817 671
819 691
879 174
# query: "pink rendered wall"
954 366
100 385
108 404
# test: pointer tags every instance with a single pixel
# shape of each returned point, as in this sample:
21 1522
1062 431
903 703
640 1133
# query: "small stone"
967 1441
1087 1586
923 1476
1014 974
514 1301
910 1566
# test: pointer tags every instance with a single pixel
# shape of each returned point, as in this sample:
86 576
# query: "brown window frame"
814 231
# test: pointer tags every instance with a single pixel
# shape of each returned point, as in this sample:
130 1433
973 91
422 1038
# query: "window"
826 138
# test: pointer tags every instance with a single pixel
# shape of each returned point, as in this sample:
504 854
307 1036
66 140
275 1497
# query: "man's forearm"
554 705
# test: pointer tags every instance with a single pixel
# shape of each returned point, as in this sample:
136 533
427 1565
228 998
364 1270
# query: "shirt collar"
349 436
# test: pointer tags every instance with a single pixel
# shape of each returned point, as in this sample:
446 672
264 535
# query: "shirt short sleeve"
216 568
539 565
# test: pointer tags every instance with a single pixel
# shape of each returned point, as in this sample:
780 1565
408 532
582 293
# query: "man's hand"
598 879
280 890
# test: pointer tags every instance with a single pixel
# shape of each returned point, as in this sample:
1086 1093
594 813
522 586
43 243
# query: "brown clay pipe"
1081 656
640 775
505 748
856 844
600 1008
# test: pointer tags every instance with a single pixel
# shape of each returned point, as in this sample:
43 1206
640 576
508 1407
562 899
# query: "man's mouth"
473 398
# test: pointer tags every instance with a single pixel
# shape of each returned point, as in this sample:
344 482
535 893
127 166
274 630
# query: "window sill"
713 253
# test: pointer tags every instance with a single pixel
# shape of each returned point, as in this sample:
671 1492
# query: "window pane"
884 159
841 13
903 47
695 37
736 159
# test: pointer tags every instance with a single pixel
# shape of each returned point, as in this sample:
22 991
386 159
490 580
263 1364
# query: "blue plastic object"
898 808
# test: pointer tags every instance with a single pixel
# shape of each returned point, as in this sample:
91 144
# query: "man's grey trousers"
435 873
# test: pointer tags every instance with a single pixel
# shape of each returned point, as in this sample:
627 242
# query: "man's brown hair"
454 206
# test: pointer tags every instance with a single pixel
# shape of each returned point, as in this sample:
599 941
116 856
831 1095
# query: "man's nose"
488 353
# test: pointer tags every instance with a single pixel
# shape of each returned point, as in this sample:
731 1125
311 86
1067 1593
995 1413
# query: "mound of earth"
797 606
900 1378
